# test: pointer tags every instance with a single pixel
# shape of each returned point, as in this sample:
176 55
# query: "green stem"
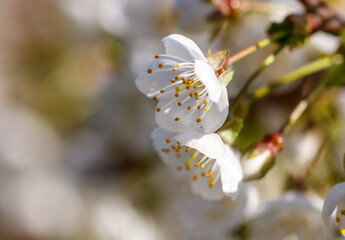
301 107
252 48
268 61
308 69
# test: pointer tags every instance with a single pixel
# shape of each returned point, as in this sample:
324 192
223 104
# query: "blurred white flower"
42 205
192 14
188 92
116 218
214 168
334 198
218 219
325 43
293 216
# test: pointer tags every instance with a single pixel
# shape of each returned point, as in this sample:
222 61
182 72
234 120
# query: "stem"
308 69
300 108
252 48
268 61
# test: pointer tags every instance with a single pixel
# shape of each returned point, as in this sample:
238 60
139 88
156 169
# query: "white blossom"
213 168
334 198
186 87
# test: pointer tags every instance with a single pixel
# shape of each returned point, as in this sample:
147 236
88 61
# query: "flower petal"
150 83
332 200
207 76
209 144
231 172
218 113
183 47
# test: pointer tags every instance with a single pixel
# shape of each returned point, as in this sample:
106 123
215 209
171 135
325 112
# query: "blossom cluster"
192 104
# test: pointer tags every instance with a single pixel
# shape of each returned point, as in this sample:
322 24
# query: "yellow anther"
337 219
179 103
177 119
156 56
178 66
177 94
188 87
207 108
172 81
342 212
205 101
195 86
177 77
203 174
187 149
162 91
158 109
195 177
198 120
211 183
189 107
179 143
160 65
209 174
173 147
155 98
202 165
149 71
197 164
191 94
196 93
178 88
174 70
168 140
342 231
179 168
199 107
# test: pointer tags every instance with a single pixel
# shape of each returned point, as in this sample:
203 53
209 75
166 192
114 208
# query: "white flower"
188 92
214 168
335 197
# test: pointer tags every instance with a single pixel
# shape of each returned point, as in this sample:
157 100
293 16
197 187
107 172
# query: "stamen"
189 107
177 119
203 174
178 66
155 98
342 231
337 219
157 56
177 94
195 177
158 109
162 91
211 183
179 103
199 107
168 141
174 70
342 212
160 65
149 71
198 120
207 108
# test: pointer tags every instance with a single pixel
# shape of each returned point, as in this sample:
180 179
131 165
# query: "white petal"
159 136
209 144
231 172
182 47
208 77
151 84
170 111
218 113
332 200
201 185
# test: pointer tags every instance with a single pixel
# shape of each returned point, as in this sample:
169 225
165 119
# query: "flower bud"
260 158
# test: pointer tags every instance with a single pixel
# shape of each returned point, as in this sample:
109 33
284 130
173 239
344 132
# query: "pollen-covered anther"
173 147
179 103
188 87
174 70
342 212
197 164
168 141
177 119
203 174
187 149
158 109
195 86
199 107
166 150
149 71
195 177
172 81
202 165
177 95
211 183
191 94
196 93
342 231
160 65
189 107
162 91
209 174
337 219
198 120
155 98
177 77
178 66
207 108
205 101
157 56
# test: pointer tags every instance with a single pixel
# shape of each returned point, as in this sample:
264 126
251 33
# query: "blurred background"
76 160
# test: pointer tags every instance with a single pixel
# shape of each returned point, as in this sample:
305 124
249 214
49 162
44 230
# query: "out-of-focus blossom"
334 198
42 205
188 92
27 141
116 218
214 168
325 43
216 220
293 216
192 14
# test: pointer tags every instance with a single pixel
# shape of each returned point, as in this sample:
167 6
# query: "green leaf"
226 77
336 77
217 59
231 130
